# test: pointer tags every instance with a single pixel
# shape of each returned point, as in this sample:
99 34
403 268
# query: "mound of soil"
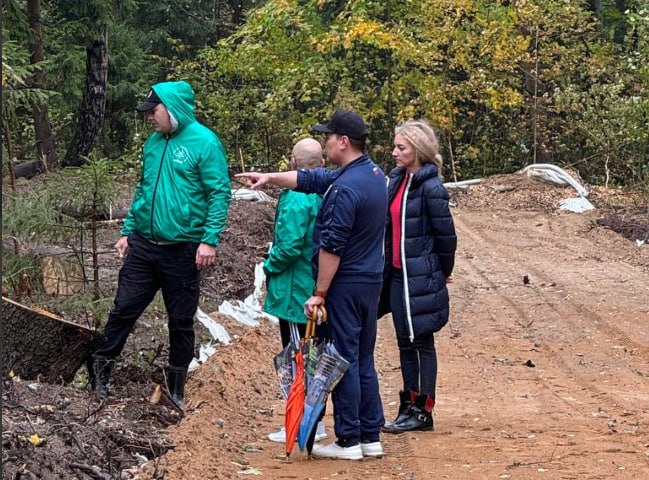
244 243
231 414
622 211
503 192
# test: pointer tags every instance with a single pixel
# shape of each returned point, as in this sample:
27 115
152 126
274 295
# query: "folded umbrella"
295 404
284 363
311 351
329 371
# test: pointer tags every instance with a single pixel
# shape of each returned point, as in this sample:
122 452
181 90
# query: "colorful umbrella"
329 370
296 366
284 363
295 404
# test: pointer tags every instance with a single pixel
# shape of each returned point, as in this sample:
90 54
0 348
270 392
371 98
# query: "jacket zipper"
155 189
402 250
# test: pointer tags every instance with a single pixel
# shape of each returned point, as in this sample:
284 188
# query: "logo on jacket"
181 155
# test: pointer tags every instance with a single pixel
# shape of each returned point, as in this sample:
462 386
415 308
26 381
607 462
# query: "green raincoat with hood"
288 266
184 189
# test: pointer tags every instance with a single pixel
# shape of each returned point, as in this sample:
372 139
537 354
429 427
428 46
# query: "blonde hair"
423 139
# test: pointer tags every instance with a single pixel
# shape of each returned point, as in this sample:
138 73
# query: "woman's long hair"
423 139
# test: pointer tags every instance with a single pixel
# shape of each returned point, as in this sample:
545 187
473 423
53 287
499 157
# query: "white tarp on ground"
251 195
218 332
557 175
547 173
463 184
247 312
250 310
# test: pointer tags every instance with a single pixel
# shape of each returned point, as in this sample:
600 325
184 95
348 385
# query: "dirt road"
542 379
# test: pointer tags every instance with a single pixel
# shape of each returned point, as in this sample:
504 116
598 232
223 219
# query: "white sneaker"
280 436
373 449
333 450
320 433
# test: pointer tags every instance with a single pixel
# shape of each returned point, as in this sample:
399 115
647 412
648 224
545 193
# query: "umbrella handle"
318 317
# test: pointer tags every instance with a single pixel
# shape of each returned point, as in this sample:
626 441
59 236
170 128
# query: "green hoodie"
184 189
288 266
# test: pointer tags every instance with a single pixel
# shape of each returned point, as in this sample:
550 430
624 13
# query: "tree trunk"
621 26
596 6
237 13
10 154
42 127
37 342
92 111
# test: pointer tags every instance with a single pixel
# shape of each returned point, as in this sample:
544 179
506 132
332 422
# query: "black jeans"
147 269
418 358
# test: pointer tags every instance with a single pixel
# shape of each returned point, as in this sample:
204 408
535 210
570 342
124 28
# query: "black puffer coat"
428 244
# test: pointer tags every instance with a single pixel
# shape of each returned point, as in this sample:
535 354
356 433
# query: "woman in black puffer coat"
420 248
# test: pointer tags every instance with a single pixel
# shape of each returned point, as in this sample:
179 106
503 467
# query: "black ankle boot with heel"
419 417
406 400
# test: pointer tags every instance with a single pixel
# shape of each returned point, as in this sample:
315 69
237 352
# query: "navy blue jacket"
351 218
427 249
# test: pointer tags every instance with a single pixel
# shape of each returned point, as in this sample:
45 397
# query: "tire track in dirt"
570 309
565 311
523 421
503 299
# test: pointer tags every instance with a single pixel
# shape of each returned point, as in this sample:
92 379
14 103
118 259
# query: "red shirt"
395 216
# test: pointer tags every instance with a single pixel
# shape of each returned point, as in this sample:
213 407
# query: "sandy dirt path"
546 379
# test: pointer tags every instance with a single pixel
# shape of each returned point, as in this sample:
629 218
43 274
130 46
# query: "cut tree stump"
39 344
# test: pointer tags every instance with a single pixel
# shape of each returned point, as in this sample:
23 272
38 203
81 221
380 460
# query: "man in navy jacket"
347 266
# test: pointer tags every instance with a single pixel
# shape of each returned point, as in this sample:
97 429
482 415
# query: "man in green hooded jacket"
172 229
289 280
288 266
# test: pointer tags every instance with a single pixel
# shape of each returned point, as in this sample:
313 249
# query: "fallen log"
29 169
39 344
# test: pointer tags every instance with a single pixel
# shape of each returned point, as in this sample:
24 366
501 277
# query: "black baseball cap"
149 103
344 122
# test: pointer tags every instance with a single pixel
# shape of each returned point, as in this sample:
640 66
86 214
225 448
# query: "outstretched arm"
257 180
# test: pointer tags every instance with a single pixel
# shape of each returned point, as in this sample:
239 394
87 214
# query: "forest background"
505 83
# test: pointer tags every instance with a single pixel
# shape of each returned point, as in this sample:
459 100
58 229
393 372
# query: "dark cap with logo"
150 102
344 122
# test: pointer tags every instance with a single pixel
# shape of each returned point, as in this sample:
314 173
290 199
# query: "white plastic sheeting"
553 174
463 184
247 312
251 195
547 173
557 175
218 331
250 310
205 352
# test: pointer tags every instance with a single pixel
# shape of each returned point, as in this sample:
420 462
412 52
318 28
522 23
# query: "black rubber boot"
420 417
407 399
176 377
99 369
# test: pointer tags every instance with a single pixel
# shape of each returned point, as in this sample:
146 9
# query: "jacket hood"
179 99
